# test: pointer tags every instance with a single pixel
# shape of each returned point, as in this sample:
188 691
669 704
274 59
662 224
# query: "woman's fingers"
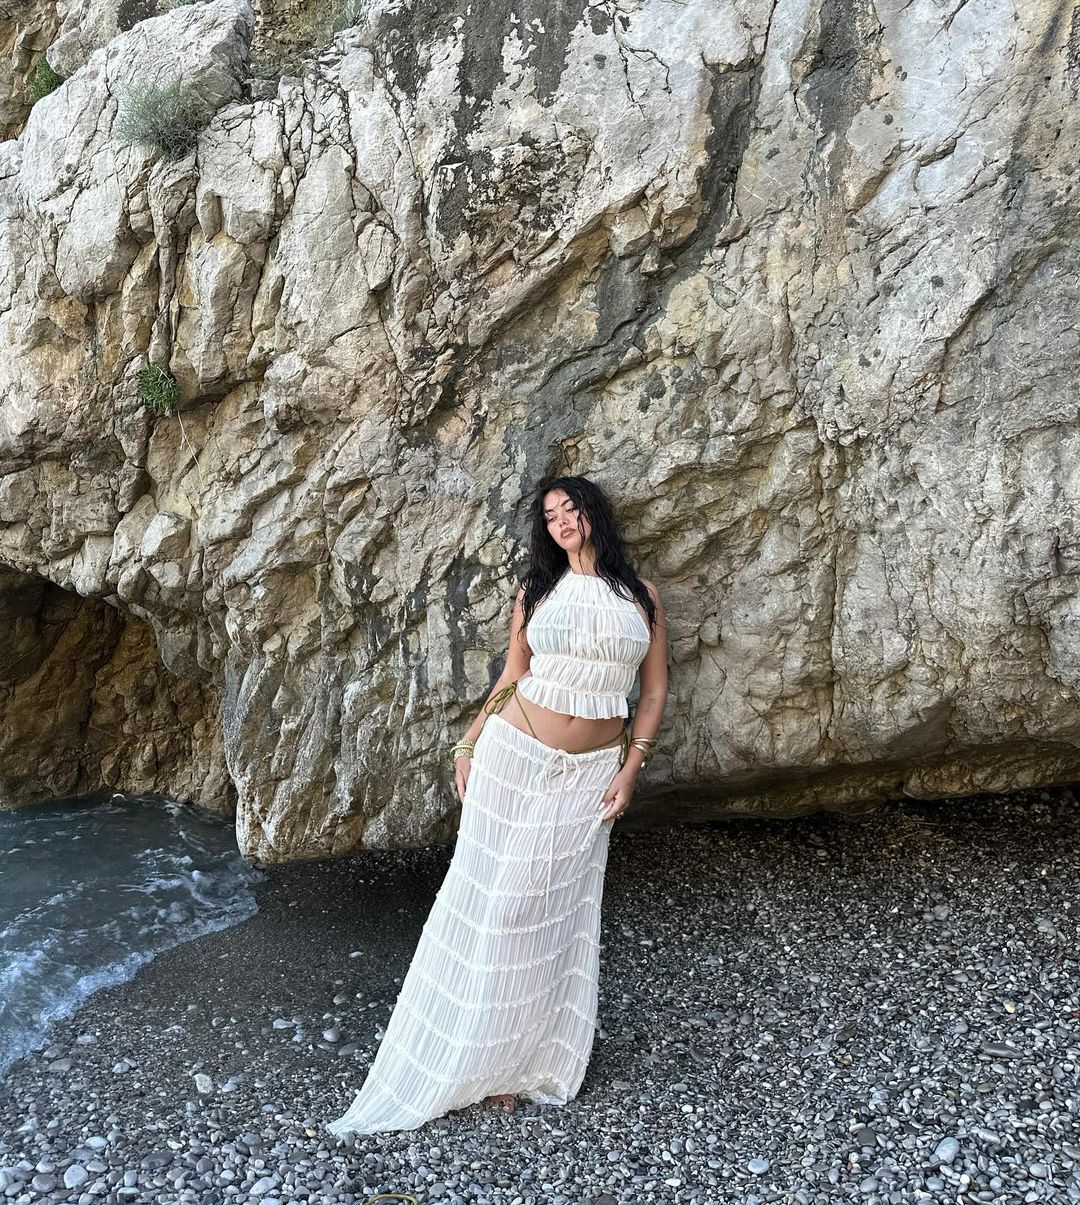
616 801
462 766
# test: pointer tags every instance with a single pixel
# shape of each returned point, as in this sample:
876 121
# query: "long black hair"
548 562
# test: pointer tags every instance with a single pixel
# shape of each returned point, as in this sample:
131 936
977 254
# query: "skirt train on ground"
501 993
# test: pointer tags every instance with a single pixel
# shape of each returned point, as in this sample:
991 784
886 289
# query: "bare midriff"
571 733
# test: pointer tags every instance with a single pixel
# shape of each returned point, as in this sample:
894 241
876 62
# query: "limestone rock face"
27 29
795 282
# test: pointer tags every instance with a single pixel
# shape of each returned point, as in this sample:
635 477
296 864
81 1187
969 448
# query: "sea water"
92 888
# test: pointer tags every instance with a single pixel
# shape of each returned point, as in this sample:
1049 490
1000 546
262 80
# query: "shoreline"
773 994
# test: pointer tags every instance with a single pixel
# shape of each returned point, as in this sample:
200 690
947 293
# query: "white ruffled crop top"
587 643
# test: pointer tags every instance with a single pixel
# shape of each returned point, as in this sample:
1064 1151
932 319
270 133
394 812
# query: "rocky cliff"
796 281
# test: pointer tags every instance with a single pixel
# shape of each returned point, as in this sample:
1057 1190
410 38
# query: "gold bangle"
641 744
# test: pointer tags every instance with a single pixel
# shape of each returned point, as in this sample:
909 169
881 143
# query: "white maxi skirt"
501 993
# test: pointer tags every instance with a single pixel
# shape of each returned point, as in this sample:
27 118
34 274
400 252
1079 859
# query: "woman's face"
563 519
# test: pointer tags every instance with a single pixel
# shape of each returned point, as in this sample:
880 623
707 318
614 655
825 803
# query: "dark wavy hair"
548 562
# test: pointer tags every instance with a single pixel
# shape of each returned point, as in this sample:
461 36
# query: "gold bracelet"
642 745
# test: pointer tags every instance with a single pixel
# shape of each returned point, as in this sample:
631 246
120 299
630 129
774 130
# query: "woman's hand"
462 766
617 796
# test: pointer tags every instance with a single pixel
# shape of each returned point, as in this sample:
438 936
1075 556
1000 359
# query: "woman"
500 999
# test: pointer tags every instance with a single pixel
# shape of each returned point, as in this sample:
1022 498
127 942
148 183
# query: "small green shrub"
158 389
167 118
42 80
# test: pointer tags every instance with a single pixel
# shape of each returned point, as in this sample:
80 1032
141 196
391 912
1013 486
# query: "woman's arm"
653 685
518 658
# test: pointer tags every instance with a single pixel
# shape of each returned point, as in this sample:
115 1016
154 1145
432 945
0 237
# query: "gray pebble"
946 1150
75 1176
999 1050
157 1160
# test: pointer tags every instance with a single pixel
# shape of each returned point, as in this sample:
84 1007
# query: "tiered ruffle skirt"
501 993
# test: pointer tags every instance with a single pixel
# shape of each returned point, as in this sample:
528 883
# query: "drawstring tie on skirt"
560 759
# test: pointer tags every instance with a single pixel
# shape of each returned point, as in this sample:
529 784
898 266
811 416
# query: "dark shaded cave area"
87 705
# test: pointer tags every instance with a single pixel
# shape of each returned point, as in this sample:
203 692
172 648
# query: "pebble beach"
882 1008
